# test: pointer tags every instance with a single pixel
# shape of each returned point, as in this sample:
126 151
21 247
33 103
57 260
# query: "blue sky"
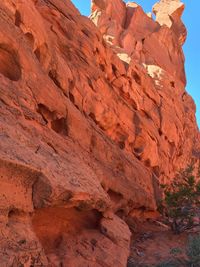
191 19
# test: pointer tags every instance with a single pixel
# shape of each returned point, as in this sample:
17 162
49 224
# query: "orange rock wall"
90 121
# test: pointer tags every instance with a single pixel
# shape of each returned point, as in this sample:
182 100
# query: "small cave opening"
45 113
114 69
172 83
18 19
54 77
160 132
121 144
71 98
30 39
13 213
60 126
93 117
120 213
90 83
9 63
147 163
136 77
102 67
138 150
37 53
41 53
56 226
115 196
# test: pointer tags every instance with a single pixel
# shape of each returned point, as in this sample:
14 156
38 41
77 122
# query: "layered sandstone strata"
91 119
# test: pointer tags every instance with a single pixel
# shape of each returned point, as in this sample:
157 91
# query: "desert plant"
193 250
169 263
176 251
181 200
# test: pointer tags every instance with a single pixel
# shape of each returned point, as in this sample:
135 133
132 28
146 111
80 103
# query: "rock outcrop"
91 119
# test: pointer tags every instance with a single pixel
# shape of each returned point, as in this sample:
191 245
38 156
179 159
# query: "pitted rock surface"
92 119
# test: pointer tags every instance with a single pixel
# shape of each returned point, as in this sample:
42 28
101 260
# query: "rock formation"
92 118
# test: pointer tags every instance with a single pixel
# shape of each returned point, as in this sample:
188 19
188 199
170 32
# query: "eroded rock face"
169 12
91 120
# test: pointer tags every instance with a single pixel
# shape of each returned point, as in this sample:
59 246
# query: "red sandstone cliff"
92 118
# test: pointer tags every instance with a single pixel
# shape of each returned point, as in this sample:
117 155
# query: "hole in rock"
86 32
93 117
30 39
53 76
172 84
120 213
37 53
102 67
138 150
15 215
136 77
41 192
41 53
56 225
18 20
96 51
103 185
114 196
46 113
172 148
160 132
9 63
121 144
60 126
71 97
12 213
138 157
147 163
90 83
114 69
146 115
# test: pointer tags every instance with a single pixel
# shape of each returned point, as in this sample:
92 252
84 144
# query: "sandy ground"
154 245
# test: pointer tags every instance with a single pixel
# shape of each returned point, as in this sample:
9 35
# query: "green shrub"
181 200
170 263
193 250
176 251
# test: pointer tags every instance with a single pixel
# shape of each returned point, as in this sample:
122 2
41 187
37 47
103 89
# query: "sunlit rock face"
169 12
128 27
91 120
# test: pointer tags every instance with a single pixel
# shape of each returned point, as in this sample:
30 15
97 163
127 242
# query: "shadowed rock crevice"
41 192
114 196
59 125
56 225
54 76
9 63
18 20
30 39
41 53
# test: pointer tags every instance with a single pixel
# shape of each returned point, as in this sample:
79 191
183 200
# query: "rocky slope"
92 118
